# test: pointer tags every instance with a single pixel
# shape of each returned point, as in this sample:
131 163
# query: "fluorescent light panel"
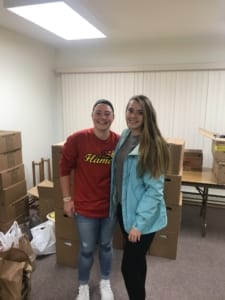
60 19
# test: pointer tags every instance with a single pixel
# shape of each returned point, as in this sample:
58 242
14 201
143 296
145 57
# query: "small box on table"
193 159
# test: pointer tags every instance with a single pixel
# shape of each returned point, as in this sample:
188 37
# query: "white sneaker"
83 293
105 290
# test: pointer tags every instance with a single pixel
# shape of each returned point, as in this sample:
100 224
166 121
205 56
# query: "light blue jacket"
142 200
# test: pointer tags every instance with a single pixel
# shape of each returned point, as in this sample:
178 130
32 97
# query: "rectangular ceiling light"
58 18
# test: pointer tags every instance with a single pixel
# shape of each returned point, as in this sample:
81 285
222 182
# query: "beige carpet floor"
198 273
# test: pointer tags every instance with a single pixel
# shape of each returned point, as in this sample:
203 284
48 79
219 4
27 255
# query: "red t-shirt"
90 158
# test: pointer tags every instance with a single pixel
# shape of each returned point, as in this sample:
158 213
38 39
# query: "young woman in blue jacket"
139 164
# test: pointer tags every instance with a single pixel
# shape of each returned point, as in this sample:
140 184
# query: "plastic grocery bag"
11 237
44 242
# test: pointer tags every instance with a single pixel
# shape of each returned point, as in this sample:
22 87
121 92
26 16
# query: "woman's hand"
134 235
69 208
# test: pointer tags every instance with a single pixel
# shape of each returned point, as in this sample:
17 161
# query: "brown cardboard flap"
211 135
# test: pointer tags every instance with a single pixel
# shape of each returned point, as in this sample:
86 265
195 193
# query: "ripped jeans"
94 232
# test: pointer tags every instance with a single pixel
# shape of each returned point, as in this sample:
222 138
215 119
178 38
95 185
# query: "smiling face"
102 117
135 117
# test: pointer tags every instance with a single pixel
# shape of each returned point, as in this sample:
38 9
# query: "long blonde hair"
153 150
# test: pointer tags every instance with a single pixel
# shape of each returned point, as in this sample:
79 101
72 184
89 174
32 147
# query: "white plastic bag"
11 237
44 242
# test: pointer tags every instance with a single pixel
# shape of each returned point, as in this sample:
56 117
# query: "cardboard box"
56 154
166 240
13 193
67 252
218 143
174 214
118 239
165 244
58 202
9 140
10 159
46 198
218 150
15 209
176 148
193 159
65 227
219 171
172 188
11 176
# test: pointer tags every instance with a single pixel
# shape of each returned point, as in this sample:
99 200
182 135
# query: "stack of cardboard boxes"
13 191
218 153
166 240
67 243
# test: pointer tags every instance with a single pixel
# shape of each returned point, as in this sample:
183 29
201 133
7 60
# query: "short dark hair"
103 101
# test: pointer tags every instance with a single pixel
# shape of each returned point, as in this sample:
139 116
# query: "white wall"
28 95
100 53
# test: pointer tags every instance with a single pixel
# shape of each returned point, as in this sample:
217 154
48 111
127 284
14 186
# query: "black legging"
133 265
